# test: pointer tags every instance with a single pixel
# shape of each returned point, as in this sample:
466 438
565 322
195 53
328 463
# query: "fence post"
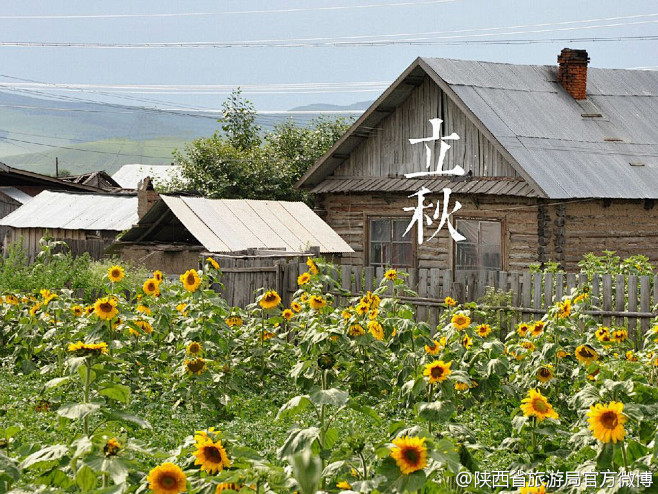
645 306
632 307
607 298
619 298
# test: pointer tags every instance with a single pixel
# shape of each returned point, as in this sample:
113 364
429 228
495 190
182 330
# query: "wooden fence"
616 300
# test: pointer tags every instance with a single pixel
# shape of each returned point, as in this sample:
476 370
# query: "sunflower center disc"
213 454
168 481
437 372
609 420
540 406
106 307
411 455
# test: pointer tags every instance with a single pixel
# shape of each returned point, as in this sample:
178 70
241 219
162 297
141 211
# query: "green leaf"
604 460
58 381
8 468
396 481
117 392
298 440
436 411
294 406
85 478
519 422
126 417
307 470
331 396
330 438
365 410
496 367
49 453
113 466
444 453
75 411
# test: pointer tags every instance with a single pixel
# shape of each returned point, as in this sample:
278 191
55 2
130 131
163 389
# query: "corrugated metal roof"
231 225
499 186
561 153
130 176
16 194
75 211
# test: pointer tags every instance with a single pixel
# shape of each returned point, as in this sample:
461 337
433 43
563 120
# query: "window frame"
503 239
366 246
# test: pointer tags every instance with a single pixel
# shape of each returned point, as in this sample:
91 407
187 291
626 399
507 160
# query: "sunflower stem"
623 454
533 435
364 465
85 420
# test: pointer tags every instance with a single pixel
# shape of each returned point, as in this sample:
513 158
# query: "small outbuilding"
176 230
87 222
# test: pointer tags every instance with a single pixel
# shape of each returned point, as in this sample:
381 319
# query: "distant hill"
90 136
360 105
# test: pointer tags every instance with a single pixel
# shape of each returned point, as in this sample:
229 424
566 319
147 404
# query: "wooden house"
559 161
87 222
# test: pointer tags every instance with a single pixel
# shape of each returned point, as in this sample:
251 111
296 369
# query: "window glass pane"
399 226
466 256
482 247
375 253
380 230
401 255
468 229
489 233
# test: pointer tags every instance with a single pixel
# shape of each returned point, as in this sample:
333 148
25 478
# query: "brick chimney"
572 72
146 197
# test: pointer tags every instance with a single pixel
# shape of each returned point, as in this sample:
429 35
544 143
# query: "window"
482 248
387 245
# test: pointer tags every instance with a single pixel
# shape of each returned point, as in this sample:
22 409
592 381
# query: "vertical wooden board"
619 298
655 290
548 290
516 295
559 287
632 306
379 275
526 293
447 283
595 292
370 278
607 298
645 306
358 277
582 282
422 292
536 291
345 281
412 280
502 281
293 268
435 287
571 283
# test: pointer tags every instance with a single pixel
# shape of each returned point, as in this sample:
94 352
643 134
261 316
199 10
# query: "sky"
287 53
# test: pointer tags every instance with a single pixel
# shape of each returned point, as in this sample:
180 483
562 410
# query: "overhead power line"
228 12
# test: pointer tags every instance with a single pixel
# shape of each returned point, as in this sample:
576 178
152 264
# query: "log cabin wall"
387 151
347 214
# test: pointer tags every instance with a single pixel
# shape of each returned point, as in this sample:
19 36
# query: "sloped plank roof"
75 211
130 176
230 225
16 194
540 127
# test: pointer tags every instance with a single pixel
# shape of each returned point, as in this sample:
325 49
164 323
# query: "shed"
177 229
559 161
87 222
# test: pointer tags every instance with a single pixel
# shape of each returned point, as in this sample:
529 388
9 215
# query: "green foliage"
245 163
609 263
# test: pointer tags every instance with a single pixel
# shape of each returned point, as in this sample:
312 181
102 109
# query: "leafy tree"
245 162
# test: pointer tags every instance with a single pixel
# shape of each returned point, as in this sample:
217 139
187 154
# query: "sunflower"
545 374
619 336
190 280
83 349
561 354
267 335
376 330
467 341
47 296
391 274
157 275
631 357
435 347
106 308
35 308
211 455
483 330
287 314
438 371
356 330
564 309
536 405
461 386
167 479
317 302
11 299
537 328
460 321
410 454
227 486
194 348
196 366
602 334
304 278
311 266
112 447
344 484
586 354
296 306
580 298
77 310
181 308
372 314
143 309
450 302
533 490
151 287
213 263
522 329
144 326
370 300
234 321
89 310
607 421
269 300
528 345
116 274
362 309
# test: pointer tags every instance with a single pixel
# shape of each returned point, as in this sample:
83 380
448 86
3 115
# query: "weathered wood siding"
347 214
387 151
79 240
